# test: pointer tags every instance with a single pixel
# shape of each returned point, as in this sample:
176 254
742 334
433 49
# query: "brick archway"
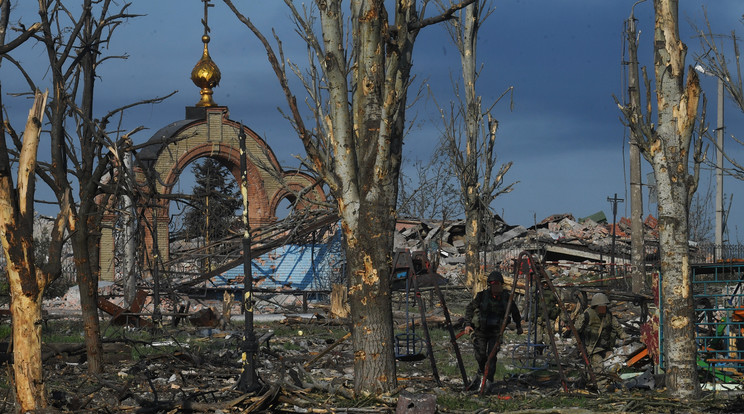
164 157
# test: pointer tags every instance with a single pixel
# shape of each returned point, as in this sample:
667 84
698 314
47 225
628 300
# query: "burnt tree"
86 158
27 281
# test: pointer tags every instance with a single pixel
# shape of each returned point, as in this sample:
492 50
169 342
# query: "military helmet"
495 276
600 299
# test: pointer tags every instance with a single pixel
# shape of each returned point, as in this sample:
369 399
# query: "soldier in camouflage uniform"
599 330
483 317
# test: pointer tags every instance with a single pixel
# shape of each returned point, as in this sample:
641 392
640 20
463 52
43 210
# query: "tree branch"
20 39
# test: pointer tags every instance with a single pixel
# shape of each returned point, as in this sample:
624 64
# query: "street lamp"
614 200
719 166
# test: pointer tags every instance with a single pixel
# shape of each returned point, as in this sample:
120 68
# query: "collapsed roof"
557 237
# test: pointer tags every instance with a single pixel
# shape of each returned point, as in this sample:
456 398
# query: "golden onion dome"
206 75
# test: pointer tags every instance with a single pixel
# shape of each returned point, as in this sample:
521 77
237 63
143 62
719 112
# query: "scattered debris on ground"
305 366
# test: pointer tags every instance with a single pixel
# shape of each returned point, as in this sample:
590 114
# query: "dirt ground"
305 366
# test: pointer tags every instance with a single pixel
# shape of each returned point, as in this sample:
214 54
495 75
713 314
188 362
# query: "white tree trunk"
669 151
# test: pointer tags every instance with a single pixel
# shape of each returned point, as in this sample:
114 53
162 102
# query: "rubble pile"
575 250
561 229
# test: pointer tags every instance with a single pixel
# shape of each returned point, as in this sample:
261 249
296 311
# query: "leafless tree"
431 193
356 85
714 61
86 157
80 143
27 281
669 144
470 133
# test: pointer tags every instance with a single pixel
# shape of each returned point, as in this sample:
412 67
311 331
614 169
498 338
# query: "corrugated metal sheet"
298 267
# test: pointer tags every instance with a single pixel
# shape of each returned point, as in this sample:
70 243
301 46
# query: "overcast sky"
563 58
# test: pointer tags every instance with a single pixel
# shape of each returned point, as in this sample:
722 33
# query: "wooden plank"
637 357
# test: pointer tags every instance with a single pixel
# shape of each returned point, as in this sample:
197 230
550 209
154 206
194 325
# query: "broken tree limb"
327 350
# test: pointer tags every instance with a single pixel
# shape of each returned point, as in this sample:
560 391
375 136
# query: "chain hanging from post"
535 273
453 337
425 325
404 270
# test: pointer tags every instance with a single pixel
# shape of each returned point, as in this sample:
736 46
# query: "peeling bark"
678 106
26 282
356 148
666 145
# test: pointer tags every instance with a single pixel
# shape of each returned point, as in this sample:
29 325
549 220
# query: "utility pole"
637 250
718 249
719 174
614 200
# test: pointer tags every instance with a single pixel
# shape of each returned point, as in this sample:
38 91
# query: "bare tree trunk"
370 303
26 282
666 144
475 167
356 149
27 364
669 153
472 248
88 285
679 342
473 119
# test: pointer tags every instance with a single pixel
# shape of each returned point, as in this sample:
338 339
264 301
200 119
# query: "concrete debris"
645 380
508 235
574 247
416 404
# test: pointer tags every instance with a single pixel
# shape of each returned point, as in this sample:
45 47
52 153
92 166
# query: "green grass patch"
459 402
6 331
497 404
65 336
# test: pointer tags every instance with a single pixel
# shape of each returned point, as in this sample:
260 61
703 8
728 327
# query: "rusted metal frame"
453 337
567 318
497 345
537 269
424 324
121 315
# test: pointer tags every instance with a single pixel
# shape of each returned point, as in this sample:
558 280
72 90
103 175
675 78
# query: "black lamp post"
248 379
614 201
